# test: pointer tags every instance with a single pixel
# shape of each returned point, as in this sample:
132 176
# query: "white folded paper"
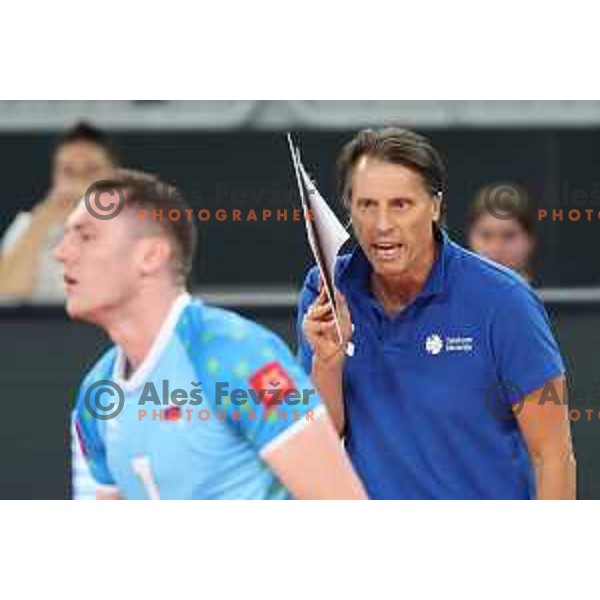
326 235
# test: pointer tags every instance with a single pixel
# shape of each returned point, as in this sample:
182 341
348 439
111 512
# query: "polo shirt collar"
356 273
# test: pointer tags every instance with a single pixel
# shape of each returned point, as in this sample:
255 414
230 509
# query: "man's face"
392 214
102 262
77 165
501 240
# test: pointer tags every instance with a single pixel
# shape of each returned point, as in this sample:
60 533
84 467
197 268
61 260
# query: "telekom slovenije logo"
434 344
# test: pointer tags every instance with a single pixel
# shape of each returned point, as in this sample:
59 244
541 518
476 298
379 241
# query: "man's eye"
400 203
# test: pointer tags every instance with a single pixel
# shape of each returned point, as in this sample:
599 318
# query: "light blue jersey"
215 393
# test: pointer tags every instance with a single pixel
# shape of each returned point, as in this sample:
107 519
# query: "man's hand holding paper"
321 331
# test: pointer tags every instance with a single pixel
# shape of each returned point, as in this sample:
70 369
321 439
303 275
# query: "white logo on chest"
434 344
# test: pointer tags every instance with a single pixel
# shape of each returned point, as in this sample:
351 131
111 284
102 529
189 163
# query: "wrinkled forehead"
373 175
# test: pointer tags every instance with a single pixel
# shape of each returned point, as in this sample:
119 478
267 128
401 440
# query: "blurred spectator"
501 228
27 270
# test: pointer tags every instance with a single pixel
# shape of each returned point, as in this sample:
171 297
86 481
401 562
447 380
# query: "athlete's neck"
135 326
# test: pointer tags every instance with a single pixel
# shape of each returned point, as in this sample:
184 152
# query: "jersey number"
141 467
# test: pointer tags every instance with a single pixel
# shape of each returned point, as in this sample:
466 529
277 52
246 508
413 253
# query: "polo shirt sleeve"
310 290
523 346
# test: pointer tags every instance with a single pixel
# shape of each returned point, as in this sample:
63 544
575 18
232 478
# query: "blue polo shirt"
422 420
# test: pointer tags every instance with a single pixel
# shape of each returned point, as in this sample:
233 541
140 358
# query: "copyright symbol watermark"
104 200
505 201
504 400
104 411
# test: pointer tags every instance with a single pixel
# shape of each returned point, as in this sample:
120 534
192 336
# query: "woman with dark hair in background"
82 155
501 228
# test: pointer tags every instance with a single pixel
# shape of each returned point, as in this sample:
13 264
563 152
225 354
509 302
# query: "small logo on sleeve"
272 382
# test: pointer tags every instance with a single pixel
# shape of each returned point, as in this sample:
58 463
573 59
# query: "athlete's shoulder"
222 330
226 327
102 368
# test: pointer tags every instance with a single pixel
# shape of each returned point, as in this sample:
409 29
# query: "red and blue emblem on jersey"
173 413
271 382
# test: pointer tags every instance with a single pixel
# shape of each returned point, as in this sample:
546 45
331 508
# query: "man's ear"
155 252
437 207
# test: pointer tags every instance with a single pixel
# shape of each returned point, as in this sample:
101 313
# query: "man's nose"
383 221
59 252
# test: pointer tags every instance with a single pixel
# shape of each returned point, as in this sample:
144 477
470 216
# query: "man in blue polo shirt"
448 383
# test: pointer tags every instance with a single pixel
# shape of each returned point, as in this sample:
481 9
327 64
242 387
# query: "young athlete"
193 402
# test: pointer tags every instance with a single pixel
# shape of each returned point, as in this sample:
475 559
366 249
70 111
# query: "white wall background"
272 114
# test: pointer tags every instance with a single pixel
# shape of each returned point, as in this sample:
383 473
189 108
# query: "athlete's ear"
154 252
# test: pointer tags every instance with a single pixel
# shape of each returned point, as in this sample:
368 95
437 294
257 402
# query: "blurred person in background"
501 228
82 155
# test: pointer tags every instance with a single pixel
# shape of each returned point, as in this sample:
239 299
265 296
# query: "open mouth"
69 281
387 250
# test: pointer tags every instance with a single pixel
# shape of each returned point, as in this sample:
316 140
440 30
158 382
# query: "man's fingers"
312 326
321 303
320 312
320 316
342 307
322 297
